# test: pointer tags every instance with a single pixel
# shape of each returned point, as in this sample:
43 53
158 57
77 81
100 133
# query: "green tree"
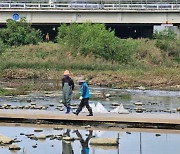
20 33
2 46
168 42
94 39
166 34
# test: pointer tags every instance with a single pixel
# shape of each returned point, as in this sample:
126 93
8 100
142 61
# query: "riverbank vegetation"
95 52
19 33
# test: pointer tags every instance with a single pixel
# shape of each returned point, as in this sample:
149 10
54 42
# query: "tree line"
93 39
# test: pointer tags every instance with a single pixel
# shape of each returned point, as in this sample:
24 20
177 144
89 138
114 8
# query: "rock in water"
5 140
104 141
38 130
14 147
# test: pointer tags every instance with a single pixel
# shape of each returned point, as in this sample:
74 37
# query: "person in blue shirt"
84 143
84 97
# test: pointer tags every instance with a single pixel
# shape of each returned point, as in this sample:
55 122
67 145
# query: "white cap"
81 79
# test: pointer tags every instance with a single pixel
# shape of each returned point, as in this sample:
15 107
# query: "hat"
81 79
66 72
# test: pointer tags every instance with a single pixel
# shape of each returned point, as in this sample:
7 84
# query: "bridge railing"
89 6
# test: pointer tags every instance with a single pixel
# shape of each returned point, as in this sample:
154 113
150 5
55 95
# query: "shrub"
2 46
94 39
166 34
146 52
168 42
20 33
126 50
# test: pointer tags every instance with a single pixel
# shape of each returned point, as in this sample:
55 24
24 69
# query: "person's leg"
64 98
81 105
88 107
68 102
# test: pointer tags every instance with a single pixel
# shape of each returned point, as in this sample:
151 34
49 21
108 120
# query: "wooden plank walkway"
145 118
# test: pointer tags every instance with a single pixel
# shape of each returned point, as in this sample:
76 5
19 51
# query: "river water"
131 141
153 101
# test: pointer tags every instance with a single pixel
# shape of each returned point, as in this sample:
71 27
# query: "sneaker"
75 113
89 115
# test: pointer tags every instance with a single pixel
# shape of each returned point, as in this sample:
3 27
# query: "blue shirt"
85 90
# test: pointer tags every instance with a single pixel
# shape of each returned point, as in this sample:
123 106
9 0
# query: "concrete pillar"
176 29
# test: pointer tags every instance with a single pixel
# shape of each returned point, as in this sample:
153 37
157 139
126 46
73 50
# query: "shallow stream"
131 141
153 101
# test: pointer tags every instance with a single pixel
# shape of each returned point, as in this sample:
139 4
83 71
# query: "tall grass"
51 56
48 60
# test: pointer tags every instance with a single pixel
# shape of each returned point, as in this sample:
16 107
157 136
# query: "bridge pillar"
176 29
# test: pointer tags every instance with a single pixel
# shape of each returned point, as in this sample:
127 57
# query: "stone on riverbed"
14 147
34 146
59 106
38 130
141 88
140 109
28 100
104 141
115 104
158 135
58 128
41 137
28 135
178 109
88 126
60 109
33 137
138 103
27 107
5 139
44 108
107 95
33 104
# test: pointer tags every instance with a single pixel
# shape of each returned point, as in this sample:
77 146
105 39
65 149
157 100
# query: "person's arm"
79 135
84 91
89 136
62 82
72 84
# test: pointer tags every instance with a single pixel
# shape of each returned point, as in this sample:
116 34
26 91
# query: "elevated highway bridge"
144 13
103 11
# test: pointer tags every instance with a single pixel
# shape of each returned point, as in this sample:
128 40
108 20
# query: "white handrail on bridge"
89 6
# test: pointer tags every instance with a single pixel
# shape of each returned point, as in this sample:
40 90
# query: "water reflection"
66 145
76 140
84 143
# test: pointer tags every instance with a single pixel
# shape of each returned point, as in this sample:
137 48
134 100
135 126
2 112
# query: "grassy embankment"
150 68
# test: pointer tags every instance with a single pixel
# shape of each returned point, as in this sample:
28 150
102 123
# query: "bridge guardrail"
89 6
